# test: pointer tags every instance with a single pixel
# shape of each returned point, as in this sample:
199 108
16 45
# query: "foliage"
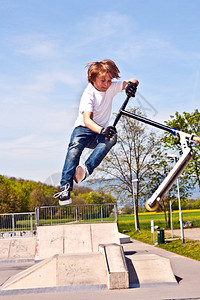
36 199
92 197
8 200
127 210
18 195
189 123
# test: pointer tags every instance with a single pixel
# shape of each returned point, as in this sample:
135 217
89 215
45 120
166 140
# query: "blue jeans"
81 138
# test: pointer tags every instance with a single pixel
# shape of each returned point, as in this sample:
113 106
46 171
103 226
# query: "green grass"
189 249
159 219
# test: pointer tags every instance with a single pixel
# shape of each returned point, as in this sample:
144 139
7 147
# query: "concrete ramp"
86 255
106 268
61 270
74 238
149 269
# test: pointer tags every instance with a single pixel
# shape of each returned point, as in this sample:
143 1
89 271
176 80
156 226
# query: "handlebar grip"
196 139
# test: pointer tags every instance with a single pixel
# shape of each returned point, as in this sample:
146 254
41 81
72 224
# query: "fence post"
76 214
115 212
31 216
51 216
37 216
13 224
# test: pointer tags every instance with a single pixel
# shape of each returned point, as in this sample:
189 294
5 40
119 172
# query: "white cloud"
37 46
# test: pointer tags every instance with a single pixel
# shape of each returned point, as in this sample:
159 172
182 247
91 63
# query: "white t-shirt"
99 103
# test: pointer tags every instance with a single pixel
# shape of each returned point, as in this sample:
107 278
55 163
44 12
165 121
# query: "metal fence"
17 225
90 213
25 224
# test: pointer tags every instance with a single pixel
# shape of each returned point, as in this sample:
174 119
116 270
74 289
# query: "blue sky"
44 48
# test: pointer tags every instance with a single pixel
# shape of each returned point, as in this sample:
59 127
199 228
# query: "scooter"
152 204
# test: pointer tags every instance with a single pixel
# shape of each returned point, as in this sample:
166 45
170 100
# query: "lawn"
159 218
189 249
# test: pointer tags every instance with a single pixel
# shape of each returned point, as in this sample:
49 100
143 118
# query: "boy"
91 128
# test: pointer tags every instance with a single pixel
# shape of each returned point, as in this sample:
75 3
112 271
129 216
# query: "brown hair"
102 68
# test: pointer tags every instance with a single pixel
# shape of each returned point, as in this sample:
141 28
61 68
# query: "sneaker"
81 173
64 195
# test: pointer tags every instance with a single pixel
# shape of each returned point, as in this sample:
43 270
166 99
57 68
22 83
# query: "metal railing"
25 224
17 225
90 213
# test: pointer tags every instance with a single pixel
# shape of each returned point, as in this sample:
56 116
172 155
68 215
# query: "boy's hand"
131 89
108 132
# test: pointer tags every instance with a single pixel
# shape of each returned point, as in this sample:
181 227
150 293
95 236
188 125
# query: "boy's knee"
75 147
113 140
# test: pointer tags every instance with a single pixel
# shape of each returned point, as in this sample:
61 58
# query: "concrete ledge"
117 271
17 248
123 238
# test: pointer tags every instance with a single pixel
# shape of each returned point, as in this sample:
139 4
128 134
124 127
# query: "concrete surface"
17 248
187 272
189 233
69 256
27 247
61 270
76 238
123 238
116 267
150 269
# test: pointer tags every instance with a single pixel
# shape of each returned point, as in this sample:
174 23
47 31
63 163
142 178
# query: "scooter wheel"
154 207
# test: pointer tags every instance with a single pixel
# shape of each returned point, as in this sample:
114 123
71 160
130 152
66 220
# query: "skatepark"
87 261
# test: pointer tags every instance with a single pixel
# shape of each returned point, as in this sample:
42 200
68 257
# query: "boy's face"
102 82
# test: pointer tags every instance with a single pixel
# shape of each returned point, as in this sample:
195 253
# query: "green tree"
36 199
8 201
94 198
189 123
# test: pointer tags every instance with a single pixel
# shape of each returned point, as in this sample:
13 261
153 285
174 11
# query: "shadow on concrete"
133 278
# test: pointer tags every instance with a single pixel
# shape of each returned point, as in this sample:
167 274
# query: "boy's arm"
88 116
107 132
89 123
126 81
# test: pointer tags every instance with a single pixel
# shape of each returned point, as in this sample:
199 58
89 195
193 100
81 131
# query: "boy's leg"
102 147
79 139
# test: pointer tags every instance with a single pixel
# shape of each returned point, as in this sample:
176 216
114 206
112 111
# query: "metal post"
174 156
76 214
152 231
171 220
13 224
180 214
101 213
134 205
31 217
51 216
37 216
115 212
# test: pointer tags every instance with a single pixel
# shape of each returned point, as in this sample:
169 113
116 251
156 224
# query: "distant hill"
54 180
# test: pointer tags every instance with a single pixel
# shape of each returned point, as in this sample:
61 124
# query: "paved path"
189 233
187 272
